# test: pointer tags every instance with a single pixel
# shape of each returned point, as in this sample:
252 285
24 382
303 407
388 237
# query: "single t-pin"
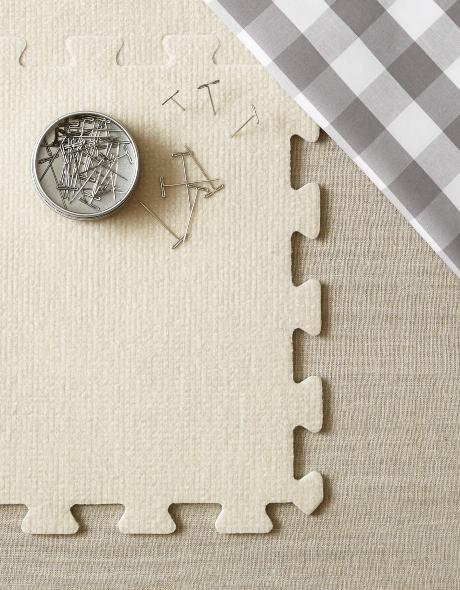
174 100
183 155
207 85
254 116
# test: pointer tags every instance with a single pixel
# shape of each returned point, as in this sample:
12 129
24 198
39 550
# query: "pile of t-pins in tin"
90 149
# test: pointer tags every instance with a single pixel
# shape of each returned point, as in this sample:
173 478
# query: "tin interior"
85 165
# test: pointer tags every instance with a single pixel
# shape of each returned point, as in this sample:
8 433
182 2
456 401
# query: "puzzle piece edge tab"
93 51
186 49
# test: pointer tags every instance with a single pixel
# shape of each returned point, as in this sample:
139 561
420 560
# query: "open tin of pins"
85 165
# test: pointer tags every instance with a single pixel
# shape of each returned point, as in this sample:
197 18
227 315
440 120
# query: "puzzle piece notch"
190 50
305 210
155 520
93 52
302 125
241 517
305 400
11 51
308 307
49 519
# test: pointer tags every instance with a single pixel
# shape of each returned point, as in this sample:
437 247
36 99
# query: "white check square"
357 67
453 191
414 129
415 16
453 72
302 14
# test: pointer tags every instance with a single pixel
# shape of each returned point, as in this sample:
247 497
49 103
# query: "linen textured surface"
383 79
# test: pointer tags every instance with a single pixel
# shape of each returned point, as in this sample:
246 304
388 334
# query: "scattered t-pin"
160 221
254 116
207 85
184 237
215 188
191 183
174 100
183 155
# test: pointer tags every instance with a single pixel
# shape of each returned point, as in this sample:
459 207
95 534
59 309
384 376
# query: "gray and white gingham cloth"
382 78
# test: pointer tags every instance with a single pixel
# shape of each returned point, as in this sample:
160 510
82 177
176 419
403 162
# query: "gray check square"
441 159
452 251
414 70
454 12
386 157
445 4
357 17
415 189
385 98
245 12
444 111
386 39
282 79
453 132
330 35
329 90
301 63
273 31
441 220
441 42
358 126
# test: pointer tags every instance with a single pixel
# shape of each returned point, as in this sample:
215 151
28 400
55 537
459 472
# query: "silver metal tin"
85 165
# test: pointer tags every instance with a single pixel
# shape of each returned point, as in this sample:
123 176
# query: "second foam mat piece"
132 372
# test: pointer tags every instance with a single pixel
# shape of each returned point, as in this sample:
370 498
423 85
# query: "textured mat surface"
132 371
389 358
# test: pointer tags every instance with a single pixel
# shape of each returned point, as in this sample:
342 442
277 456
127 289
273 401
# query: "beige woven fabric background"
389 451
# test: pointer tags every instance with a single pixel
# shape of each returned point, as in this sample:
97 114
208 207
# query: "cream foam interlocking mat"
132 372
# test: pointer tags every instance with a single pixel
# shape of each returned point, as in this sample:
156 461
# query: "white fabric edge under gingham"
447 260
250 44
414 21
306 105
416 225
369 173
302 16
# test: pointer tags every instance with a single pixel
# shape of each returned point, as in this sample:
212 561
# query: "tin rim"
65 212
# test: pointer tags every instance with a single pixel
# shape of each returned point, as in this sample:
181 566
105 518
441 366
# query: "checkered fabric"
382 78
